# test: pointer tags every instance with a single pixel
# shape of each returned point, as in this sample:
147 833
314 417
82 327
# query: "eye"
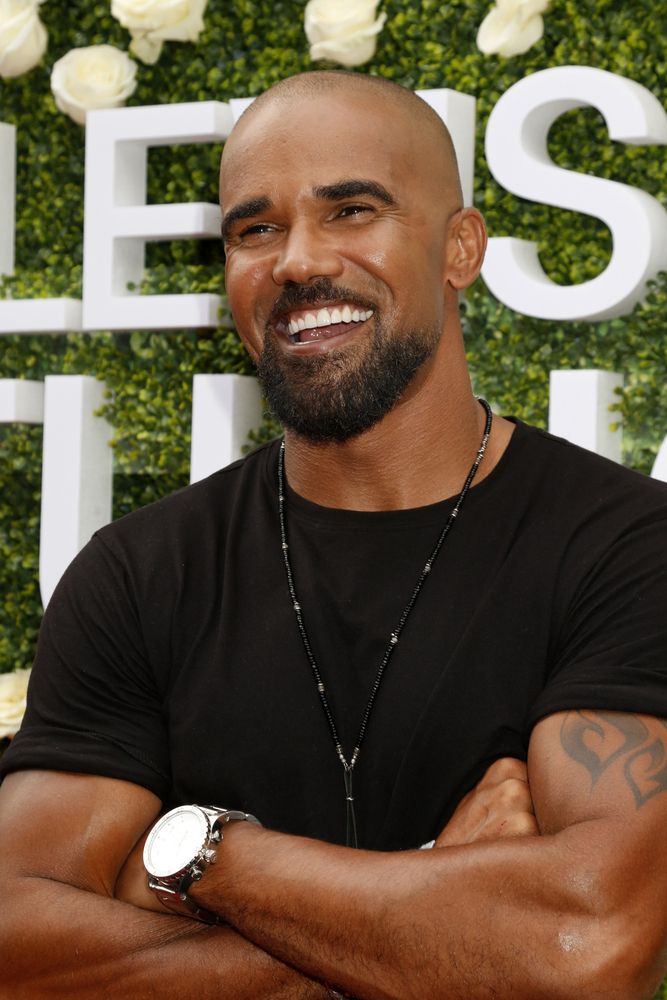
256 229
350 211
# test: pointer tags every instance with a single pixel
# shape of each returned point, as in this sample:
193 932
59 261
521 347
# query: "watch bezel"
201 834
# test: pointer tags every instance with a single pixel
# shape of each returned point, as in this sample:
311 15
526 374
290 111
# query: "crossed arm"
579 911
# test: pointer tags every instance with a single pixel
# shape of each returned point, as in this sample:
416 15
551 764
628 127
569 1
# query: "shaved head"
434 137
346 241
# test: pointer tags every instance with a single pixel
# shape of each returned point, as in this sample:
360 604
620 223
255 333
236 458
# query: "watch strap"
220 817
182 904
173 891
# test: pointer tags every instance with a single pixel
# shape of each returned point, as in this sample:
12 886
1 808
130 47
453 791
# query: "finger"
513 795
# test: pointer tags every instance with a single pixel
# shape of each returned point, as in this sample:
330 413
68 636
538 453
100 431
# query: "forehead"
313 140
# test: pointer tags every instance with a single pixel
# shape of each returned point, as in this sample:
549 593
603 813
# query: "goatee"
339 394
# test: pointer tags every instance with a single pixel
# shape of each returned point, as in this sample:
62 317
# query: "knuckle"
506 768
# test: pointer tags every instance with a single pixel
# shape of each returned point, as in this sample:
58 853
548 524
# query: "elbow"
613 957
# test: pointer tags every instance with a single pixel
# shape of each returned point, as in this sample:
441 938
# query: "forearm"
502 919
90 946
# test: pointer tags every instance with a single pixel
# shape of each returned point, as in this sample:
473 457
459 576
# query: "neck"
418 454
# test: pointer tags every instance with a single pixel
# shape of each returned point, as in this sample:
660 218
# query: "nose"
306 255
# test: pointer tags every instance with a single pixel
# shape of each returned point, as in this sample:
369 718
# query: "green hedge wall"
247 45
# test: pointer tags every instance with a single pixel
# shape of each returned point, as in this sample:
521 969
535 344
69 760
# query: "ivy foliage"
248 45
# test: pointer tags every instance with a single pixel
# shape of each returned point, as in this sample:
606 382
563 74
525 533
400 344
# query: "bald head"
346 245
432 136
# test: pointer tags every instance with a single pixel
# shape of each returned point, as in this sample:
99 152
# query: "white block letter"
579 411
21 401
224 409
7 196
24 315
118 222
458 113
76 473
516 150
659 470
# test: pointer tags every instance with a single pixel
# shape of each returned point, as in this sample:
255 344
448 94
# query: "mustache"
295 296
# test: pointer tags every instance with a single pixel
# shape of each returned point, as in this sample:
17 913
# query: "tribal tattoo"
599 739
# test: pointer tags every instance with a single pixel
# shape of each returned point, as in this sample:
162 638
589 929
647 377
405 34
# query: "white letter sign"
579 409
118 222
7 196
516 150
225 408
458 113
25 315
77 470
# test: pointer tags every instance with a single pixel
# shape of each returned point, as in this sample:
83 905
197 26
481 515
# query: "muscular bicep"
599 785
73 828
588 765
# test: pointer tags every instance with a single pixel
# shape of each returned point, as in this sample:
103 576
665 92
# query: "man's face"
335 235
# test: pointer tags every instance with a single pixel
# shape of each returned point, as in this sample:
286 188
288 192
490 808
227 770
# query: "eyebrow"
352 188
245 210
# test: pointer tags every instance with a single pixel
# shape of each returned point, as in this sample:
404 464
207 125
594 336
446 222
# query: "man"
406 595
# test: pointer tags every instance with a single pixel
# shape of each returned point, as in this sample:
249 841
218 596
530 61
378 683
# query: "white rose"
511 27
152 22
13 688
343 31
98 76
23 37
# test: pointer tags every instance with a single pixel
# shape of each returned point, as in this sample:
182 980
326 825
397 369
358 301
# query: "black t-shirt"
169 654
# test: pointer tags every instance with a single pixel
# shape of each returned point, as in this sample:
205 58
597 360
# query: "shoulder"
578 510
584 479
193 522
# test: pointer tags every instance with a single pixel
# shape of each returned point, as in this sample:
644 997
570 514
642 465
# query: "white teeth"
327 317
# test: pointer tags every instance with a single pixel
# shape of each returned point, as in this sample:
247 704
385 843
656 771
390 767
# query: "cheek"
251 294
244 280
377 259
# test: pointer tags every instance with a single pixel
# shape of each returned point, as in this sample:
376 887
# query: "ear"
466 245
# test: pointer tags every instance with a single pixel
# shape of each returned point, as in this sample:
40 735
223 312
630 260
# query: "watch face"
175 841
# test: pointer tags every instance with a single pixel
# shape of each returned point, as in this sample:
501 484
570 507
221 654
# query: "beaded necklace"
349 766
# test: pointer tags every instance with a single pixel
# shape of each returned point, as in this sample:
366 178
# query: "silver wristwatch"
179 848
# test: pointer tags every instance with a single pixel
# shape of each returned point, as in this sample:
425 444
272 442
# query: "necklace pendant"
351 819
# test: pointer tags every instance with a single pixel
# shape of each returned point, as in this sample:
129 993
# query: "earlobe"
465 247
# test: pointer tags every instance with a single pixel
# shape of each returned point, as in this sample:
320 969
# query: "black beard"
338 395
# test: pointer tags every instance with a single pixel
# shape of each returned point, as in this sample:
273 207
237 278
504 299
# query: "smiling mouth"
305 326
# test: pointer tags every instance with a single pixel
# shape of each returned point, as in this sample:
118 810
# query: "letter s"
516 151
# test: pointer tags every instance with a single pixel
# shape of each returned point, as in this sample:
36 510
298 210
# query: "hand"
499 806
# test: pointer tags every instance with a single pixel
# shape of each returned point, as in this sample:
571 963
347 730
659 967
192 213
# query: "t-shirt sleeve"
93 701
611 652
